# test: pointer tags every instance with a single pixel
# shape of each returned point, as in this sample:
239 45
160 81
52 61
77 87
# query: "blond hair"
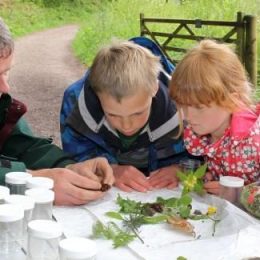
6 41
211 72
122 68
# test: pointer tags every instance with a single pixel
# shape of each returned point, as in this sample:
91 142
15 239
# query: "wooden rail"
241 33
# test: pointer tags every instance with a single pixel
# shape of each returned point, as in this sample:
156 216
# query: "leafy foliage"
112 232
133 214
193 181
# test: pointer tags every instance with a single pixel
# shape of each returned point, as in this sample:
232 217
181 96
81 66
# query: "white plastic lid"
10 213
25 202
231 181
77 248
40 195
40 182
4 192
17 177
46 229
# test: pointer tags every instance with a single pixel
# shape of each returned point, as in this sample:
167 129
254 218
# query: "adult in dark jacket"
20 150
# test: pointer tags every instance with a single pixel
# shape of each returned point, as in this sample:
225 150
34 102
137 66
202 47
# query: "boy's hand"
128 178
164 178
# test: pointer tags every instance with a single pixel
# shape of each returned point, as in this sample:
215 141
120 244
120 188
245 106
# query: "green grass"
24 17
121 19
102 20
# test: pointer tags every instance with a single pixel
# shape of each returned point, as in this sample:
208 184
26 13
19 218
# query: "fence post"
240 38
251 48
142 24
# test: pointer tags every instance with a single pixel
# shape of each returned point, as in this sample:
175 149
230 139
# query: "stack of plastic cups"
77 248
27 204
11 230
16 182
43 202
43 240
4 193
40 182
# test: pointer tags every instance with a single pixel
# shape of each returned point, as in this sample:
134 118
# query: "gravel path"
44 66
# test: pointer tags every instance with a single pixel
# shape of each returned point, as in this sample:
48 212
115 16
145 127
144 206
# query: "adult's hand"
129 178
70 187
97 169
164 177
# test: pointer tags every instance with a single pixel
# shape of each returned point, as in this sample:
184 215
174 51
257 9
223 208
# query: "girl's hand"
212 187
164 178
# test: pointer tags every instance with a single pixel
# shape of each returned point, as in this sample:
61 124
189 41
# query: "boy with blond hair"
122 111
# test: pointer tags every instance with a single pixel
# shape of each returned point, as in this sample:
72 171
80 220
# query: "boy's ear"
155 89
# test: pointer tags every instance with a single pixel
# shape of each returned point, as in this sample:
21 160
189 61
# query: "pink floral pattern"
237 153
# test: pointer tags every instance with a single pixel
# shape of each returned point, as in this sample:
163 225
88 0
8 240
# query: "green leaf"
181 258
184 211
128 206
113 214
112 232
185 200
171 202
123 239
200 172
199 188
181 176
155 219
98 230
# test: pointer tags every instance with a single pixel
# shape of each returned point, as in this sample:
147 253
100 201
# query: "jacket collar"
243 122
163 118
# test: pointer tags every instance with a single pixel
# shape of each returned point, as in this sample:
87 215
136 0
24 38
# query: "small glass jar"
77 248
27 204
43 202
230 188
11 229
40 182
16 182
189 165
43 240
4 193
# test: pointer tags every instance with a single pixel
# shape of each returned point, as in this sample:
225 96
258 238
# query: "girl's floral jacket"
237 153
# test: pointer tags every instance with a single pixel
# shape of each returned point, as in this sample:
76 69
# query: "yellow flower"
211 210
190 182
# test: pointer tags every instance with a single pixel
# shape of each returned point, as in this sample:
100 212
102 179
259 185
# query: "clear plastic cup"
76 248
43 240
43 202
27 204
16 182
11 229
40 182
230 188
189 165
4 193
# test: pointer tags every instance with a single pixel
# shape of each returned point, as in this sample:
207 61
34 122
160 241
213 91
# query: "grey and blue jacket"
85 132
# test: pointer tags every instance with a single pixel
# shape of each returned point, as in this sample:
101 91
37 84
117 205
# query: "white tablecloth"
235 236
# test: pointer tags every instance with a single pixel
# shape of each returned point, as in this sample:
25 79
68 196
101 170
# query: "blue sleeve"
82 148
78 146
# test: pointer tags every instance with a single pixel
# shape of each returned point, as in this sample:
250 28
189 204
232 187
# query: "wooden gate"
241 33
